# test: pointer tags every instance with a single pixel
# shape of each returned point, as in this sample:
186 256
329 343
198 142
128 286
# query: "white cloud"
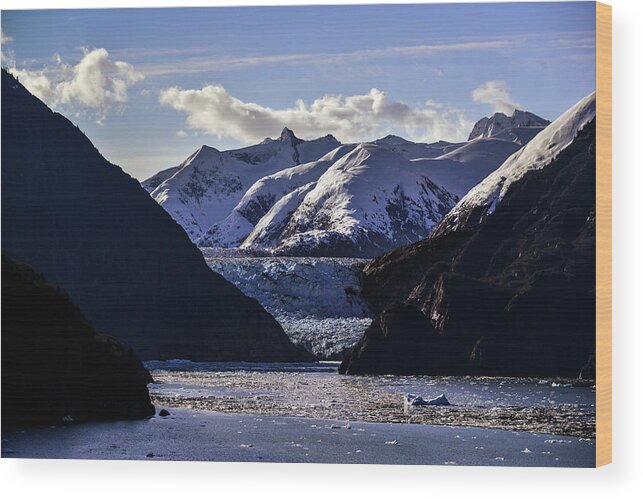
5 38
496 94
6 56
181 134
96 82
214 111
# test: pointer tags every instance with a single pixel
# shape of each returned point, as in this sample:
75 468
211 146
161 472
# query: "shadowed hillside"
92 230
513 295
55 365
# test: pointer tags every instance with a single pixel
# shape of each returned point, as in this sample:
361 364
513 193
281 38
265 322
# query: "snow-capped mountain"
520 127
285 193
368 201
205 188
537 154
259 219
262 196
460 166
505 284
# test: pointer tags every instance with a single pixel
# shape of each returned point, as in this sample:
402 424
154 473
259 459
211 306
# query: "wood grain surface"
603 234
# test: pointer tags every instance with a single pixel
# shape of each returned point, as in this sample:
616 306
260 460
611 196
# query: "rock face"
55 365
513 294
92 230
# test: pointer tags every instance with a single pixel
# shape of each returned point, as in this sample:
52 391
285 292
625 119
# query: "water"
315 390
190 435
190 366
306 412
499 392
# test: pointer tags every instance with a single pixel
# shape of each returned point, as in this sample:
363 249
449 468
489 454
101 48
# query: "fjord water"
316 390
207 436
309 413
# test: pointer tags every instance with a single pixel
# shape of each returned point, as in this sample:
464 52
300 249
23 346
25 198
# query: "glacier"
316 300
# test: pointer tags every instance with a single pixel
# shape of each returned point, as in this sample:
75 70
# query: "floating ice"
416 400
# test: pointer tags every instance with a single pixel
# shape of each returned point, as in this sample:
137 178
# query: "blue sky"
149 86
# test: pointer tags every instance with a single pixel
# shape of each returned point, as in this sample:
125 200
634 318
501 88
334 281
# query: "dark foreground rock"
55 366
513 295
92 230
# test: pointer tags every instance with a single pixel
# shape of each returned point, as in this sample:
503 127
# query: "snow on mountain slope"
520 127
537 154
157 179
454 167
491 142
483 151
368 201
205 188
415 150
220 198
464 167
263 195
268 230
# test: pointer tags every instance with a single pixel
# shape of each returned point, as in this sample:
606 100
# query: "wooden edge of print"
603 234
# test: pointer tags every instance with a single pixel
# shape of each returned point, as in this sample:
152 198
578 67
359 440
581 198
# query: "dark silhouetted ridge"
91 229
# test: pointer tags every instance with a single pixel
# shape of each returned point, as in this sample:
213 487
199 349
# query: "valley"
319 286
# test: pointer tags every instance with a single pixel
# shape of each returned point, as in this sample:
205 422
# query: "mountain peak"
500 122
287 135
525 118
206 148
392 140
328 138
536 155
202 153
